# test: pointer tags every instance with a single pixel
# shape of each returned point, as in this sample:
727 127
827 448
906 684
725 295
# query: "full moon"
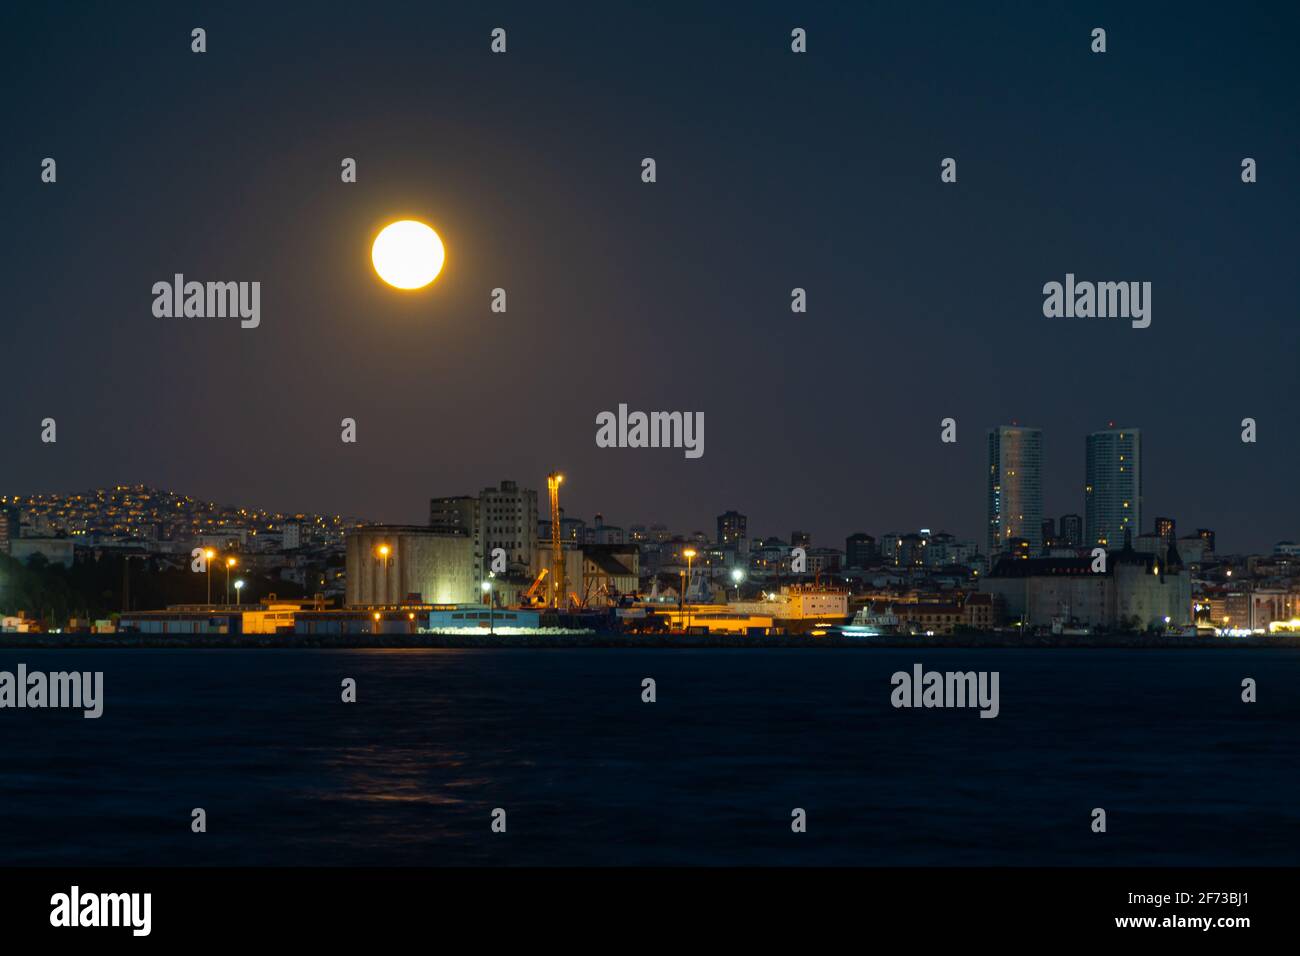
407 254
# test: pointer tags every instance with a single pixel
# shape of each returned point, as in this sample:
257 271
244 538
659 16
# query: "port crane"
534 596
553 481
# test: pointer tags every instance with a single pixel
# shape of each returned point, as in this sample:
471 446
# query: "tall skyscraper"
1113 487
1015 487
732 528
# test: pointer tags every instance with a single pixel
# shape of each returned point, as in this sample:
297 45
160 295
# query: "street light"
487 595
230 563
737 576
239 586
689 554
384 551
208 555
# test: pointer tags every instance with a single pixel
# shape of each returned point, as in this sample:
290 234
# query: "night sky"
775 170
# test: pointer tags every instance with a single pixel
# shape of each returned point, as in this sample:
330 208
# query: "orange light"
231 562
376 615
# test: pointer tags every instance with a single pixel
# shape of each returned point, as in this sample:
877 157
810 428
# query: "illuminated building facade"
732 529
1113 487
391 564
1015 487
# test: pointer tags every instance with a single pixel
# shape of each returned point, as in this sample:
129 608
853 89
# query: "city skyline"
609 439
924 299
1026 457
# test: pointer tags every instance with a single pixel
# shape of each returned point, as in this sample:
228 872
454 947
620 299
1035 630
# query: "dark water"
588 774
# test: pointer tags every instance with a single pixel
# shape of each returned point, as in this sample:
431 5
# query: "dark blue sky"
775 171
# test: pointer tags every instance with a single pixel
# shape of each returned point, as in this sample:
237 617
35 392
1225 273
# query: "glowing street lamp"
487 596
737 575
384 552
208 555
689 555
230 563
239 586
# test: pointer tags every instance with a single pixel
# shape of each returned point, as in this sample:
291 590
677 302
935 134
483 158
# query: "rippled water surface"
589 774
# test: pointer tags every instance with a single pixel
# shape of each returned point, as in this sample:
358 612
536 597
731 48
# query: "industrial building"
1136 591
502 517
394 564
274 616
598 575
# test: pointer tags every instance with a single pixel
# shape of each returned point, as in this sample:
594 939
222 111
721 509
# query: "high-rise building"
9 524
504 517
457 514
1165 528
508 520
1015 487
1206 535
859 550
1049 532
1071 531
1113 487
732 528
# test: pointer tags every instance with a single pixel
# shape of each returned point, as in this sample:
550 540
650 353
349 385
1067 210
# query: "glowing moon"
407 254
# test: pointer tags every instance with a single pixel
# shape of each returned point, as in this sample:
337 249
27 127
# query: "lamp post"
230 563
487 596
239 586
689 554
737 576
208 555
384 551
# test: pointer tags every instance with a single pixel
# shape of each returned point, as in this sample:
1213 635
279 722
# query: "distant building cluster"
302 550
496 552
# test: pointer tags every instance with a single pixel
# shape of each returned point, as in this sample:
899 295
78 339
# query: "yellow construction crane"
557 547
530 599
